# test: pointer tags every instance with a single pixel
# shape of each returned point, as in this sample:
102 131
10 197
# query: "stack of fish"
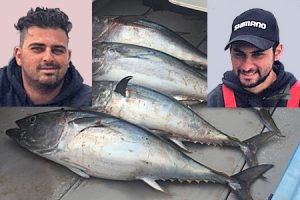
154 55
155 78
103 144
99 145
157 74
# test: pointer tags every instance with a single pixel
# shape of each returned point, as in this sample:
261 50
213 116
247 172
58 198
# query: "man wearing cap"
258 78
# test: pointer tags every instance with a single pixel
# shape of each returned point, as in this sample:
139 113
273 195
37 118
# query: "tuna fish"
153 69
267 120
166 116
141 32
99 145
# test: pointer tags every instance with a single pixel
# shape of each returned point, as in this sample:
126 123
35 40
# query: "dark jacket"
74 93
245 98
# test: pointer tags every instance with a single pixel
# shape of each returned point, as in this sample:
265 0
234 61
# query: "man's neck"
269 80
38 96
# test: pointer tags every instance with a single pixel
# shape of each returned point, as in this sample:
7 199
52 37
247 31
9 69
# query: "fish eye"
32 120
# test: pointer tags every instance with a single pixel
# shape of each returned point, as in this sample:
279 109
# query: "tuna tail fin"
240 182
266 118
250 146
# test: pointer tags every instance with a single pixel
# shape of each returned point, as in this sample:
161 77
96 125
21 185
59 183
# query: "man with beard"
258 78
41 73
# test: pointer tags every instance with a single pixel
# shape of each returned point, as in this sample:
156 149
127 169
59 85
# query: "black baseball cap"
257 27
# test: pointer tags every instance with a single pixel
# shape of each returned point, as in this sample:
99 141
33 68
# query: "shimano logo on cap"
255 24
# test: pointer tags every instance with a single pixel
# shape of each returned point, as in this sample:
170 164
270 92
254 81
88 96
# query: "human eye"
58 50
37 49
257 54
238 54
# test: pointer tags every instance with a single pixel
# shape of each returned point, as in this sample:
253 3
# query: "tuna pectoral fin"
74 168
122 85
86 122
79 172
241 182
251 146
163 136
152 183
180 144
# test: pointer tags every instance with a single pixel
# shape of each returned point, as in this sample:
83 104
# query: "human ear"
278 51
18 52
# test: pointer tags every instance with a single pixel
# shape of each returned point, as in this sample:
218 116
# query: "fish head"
98 26
40 132
103 54
113 50
98 56
101 25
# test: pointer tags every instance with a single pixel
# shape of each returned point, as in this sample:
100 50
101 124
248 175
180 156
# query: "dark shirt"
245 98
73 93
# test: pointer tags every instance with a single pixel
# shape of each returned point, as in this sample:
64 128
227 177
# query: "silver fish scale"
136 31
151 109
122 151
153 70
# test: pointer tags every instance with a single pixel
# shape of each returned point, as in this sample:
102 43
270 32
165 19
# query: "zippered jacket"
74 92
244 98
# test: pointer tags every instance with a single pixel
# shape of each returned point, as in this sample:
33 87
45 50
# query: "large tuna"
99 145
153 69
141 32
169 117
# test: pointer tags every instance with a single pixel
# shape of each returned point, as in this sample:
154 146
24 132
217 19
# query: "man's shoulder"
9 95
86 89
83 97
3 71
215 97
3 77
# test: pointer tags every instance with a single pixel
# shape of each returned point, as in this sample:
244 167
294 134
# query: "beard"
45 86
260 80
50 83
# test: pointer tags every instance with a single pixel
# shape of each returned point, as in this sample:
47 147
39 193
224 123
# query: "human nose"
48 55
248 63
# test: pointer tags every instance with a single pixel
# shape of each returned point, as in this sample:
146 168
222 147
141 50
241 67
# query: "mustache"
242 71
47 65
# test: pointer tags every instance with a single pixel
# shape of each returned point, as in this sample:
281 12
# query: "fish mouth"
14 133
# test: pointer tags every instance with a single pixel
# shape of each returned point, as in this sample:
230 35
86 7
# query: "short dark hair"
275 46
44 18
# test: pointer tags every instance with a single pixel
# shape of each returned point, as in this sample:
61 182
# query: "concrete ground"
24 175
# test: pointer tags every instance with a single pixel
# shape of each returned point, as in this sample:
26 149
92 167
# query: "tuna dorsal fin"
122 85
152 183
